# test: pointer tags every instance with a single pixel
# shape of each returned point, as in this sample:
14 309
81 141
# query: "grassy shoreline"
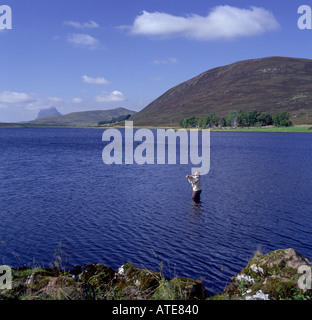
270 276
293 129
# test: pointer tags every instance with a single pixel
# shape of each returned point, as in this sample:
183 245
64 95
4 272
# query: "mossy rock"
218 297
189 289
96 280
135 283
280 288
274 274
62 288
180 288
165 291
26 282
102 273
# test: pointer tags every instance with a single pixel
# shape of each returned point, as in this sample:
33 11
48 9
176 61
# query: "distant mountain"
270 84
49 112
83 118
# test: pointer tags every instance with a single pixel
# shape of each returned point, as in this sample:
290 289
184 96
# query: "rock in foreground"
100 282
273 276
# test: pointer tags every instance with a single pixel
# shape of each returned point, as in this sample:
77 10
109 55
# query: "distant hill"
48 112
83 118
270 84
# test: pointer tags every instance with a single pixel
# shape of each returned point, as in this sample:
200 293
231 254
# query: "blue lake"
54 187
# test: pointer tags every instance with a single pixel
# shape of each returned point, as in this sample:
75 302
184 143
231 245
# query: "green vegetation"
272 276
97 282
294 129
243 119
281 119
116 120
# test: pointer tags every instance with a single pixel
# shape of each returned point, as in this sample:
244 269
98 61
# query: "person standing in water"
196 185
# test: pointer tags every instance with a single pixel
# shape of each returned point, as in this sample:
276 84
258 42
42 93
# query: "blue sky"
81 55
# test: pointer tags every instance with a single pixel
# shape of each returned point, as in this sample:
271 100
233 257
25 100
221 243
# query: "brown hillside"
269 84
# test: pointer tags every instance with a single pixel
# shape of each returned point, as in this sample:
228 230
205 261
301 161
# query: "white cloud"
27 101
35 105
166 61
223 22
114 96
98 80
85 25
83 40
38 102
77 100
14 97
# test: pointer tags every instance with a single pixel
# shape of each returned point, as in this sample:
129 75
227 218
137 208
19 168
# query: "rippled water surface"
55 187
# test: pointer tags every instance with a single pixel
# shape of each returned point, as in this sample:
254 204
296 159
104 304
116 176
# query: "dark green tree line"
238 119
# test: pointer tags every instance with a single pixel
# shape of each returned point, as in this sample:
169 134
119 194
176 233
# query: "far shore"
294 129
